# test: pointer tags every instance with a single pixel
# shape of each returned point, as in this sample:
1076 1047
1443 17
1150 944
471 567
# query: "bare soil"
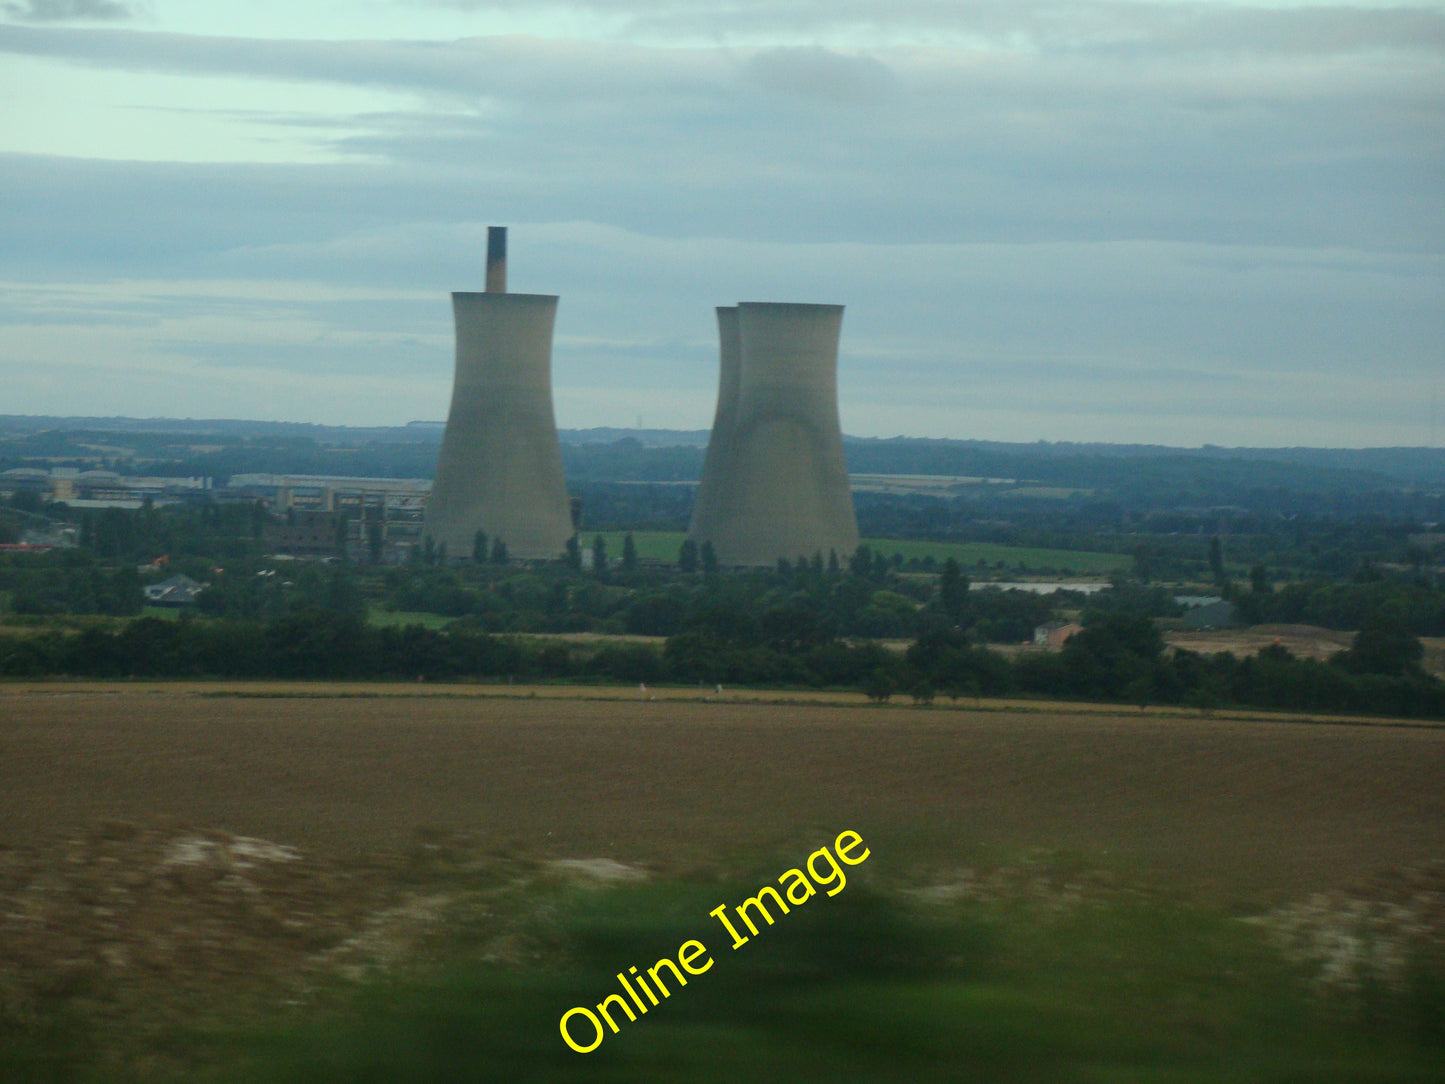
181 857
1304 641
1260 807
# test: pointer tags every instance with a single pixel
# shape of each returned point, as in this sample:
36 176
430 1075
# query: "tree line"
1117 658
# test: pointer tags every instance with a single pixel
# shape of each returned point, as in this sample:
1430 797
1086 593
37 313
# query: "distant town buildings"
175 592
1056 633
100 488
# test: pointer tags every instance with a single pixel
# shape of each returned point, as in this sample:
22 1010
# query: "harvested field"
1258 808
1304 641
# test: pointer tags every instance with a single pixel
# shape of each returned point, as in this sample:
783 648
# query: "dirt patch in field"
1304 641
1264 809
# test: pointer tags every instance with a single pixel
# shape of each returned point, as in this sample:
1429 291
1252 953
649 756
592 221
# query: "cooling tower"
707 514
500 467
778 485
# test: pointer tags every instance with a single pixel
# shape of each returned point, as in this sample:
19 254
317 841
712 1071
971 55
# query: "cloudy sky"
1135 220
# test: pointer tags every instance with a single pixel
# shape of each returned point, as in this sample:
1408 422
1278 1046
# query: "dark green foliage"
880 685
1383 646
84 588
952 589
1417 607
856 987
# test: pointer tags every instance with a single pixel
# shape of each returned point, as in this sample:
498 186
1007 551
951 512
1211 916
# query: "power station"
500 466
707 511
775 481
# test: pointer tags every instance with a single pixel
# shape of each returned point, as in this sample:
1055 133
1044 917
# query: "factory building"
775 481
500 466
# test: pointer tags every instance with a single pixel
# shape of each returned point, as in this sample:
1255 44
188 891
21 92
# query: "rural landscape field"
330 882
694 543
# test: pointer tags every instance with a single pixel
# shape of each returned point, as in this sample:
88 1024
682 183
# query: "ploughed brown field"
1258 807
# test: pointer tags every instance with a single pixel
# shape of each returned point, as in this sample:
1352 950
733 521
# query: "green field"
664 545
384 618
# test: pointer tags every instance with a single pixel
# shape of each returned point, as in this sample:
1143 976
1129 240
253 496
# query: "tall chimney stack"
496 259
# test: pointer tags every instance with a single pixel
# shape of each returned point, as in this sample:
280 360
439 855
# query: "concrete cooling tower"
707 513
777 485
500 467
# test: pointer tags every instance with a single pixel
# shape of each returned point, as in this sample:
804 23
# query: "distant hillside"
1136 474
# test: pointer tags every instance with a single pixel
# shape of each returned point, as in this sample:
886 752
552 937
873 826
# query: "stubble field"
1260 807
327 883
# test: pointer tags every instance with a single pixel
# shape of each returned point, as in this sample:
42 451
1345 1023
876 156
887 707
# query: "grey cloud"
823 75
55 11
519 68
1045 24
1205 216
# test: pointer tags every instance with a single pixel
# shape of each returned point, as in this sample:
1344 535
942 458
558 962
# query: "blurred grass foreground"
1028 973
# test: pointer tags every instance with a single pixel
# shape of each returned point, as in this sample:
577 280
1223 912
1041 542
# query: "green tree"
952 589
1383 646
499 552
879 685
599 555
687 556
629 553
1143 563
1216 559
479 548
1259 580
921 691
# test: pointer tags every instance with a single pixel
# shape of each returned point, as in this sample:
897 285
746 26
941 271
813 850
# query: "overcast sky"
1170 222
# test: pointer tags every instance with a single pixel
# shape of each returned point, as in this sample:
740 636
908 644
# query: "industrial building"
81 489
500 466
775 481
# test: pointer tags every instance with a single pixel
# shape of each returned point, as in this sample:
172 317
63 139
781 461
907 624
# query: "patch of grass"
860 988
651 545
969 554
664 546
383 618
